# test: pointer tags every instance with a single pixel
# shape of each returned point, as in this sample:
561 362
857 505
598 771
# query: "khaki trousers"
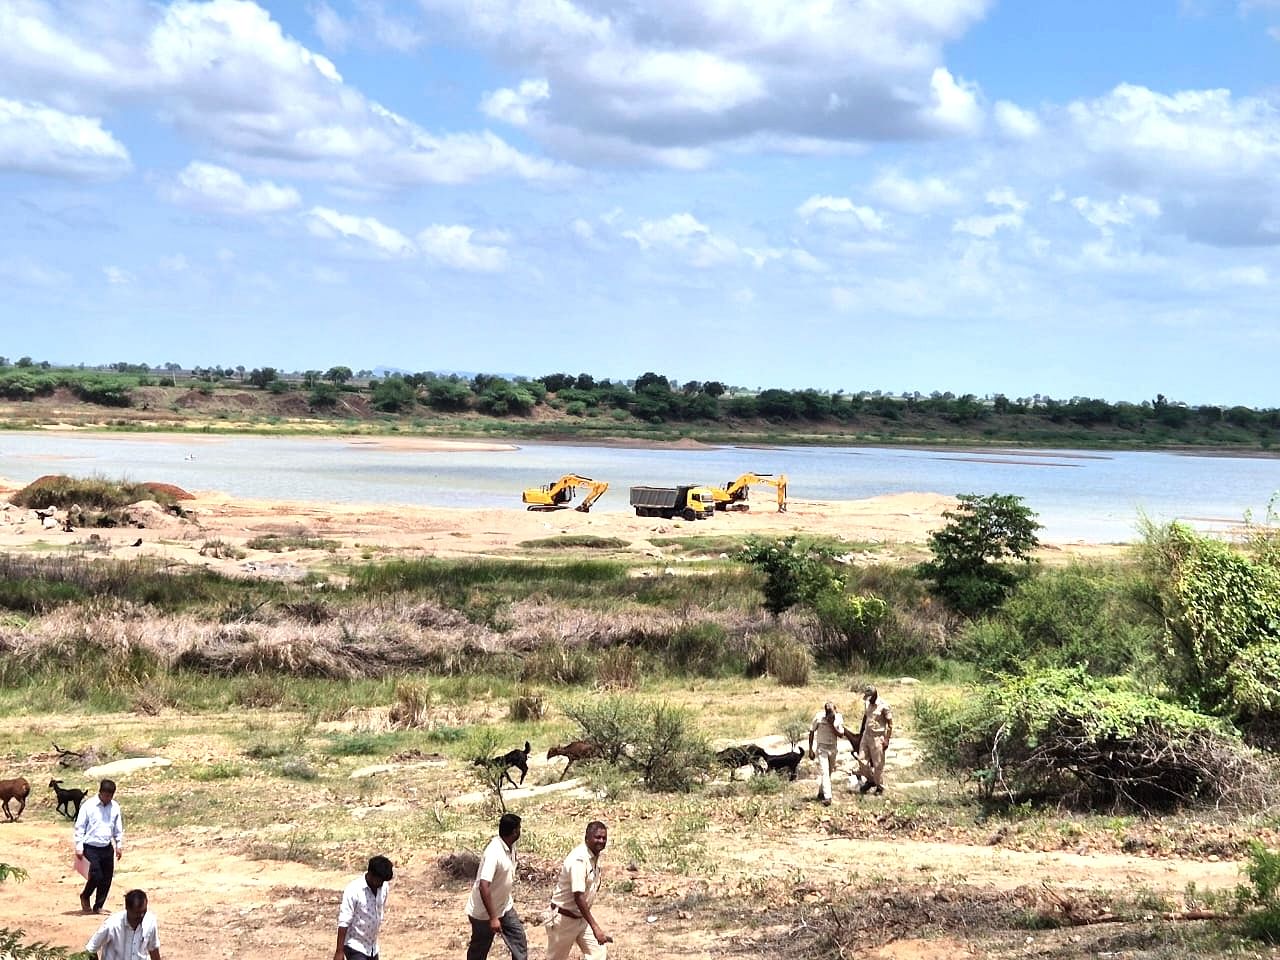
563 932
871 758
826 767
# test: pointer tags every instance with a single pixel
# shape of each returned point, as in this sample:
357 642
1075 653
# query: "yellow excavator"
556 496
733 495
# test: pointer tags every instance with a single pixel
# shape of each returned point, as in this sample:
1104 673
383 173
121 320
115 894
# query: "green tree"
261 376
793 572
982 553
338 375
392 395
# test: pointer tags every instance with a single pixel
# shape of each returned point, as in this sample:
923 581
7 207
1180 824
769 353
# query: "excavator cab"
733 495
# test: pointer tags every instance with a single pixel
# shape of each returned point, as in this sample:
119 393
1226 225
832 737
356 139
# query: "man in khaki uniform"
570 920
826 730
877 728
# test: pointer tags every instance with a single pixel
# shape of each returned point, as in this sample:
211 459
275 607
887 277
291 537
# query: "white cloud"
643 81
225 74
38 139
1014 122
206 186
371 27
925 195
682 233
117 277
987 225
25 272
1105 214
456 247
359 232
841 208
512 106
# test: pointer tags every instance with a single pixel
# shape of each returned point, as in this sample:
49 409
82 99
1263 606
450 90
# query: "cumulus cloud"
226 74
359 233
1108 214
1015 123
1009 216
460 248
841 208
215 189
38 139
117 277
614 78
924 195
371 27
683 233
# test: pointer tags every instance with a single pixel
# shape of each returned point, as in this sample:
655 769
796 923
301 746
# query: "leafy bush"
1074 616
700 648
1063 733
969 568
1220 612
851 626
393 395
784 658
1263 871
667 751
609 722
793 572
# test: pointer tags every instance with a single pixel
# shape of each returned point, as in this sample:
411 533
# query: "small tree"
793 573
970 568
338 375
13 942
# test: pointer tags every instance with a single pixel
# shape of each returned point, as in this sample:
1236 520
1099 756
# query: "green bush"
1263 870
1066 734
667 751
794 572
971 566
851 626
784 658
609 722
700 648
1074 616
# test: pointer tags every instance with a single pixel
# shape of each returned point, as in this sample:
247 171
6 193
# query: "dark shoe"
879 790
819 796
84 903
865 787
826 801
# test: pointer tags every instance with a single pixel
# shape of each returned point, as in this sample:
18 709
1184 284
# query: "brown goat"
576 750
16 789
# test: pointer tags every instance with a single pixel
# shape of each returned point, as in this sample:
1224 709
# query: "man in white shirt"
828 730
99 838
364 904
491 906
570 920
130 934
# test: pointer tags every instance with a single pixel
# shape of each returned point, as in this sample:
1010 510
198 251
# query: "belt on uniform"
565 913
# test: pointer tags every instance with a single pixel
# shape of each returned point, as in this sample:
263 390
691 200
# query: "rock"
907 681
131 765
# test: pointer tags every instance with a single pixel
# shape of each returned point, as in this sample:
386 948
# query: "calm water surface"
1079 495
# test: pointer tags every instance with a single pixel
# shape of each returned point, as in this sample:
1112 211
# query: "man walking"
364 904
99 838
877 728
570 919
130 934
491 907
827 730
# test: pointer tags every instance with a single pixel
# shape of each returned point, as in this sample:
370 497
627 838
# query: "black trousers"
102 867
512 933
353 954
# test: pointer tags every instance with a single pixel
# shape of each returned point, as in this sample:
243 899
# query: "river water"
1079 495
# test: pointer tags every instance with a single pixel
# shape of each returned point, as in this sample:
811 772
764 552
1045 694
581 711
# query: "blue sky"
1071 199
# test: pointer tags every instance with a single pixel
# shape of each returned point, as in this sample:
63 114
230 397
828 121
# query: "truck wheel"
689 514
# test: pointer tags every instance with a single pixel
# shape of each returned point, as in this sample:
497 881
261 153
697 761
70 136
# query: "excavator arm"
733 495
556 496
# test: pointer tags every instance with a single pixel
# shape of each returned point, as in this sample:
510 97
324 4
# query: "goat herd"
745 755
19 789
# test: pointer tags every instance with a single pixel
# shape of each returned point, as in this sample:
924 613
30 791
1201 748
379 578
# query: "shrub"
793 572
851 626
556 663
1078 615
1263 871
700 648
784 658
527 706
618 668
609 722
968 568
667 751
411 707
1063 733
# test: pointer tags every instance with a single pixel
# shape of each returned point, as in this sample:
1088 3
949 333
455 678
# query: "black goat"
68 798
752 755
501 766
777 762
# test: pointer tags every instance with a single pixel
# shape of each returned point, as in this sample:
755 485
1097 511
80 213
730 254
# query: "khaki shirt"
580 873
498 866
878 717
827 733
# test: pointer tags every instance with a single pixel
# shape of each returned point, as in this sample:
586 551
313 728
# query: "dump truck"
733 495
556 496
689 500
